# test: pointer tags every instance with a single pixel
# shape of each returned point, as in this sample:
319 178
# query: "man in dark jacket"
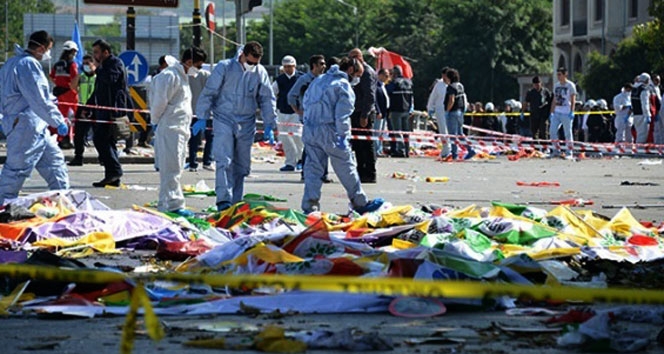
401 104
110 91
363 117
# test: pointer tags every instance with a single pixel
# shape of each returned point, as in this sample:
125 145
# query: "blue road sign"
136 65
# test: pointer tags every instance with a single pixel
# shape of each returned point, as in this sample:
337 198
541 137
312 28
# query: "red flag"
386 59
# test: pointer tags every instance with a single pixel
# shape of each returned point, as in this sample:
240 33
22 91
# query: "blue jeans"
556 120
455 127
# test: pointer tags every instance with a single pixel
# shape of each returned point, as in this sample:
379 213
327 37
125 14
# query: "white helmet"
69 45
603 105
643 78
489 106
590 104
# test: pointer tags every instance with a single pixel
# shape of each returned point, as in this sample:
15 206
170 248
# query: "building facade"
583 26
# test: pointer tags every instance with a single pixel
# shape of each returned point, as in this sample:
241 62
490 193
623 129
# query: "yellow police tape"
384 286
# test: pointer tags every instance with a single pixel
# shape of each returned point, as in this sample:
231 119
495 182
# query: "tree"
489 41
15 12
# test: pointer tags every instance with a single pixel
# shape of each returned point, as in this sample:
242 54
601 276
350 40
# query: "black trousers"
105 141
538 124
364 149
195 143
81 130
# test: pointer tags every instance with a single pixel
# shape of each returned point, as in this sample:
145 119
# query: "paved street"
474 182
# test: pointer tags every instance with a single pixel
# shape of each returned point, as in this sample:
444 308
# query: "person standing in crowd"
658 128
289 119
363 118
86 85
400 91
110 91
641 107
171 111
27 110
436 106
233 93
455 105
538 104
382 109
328 105
65 77
562 111
197 80
655 106
317 67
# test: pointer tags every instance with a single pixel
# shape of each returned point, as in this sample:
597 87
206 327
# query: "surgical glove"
628 107
154 128
198 127
571 115
341 142
551 116
63 129
268 134
430 113
521 117
648 118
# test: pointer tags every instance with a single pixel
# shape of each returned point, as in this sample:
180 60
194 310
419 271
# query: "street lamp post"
357 31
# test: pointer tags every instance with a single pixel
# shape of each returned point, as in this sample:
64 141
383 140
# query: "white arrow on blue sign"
137 66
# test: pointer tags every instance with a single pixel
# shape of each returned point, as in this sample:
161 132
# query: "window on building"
564 12
599 10
633 8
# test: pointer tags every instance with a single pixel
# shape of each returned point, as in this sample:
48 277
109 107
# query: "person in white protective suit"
171 113
328 104
436 107
641 107
234 91
27 109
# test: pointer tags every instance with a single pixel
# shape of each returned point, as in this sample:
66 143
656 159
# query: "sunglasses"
321 63
252 63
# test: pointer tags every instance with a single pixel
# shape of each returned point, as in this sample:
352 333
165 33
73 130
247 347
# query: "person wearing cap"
538 103
290 121
27 109
233 93
65 77
562 111
641 107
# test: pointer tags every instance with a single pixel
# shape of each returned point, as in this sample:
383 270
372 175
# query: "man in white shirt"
562 112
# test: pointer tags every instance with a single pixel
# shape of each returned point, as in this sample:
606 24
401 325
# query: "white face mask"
193 71
46 56
355 81
248 67
87 69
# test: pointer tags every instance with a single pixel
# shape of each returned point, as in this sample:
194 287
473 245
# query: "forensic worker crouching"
236 88
328 104
28 108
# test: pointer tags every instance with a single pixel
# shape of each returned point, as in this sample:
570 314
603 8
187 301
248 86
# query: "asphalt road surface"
474 182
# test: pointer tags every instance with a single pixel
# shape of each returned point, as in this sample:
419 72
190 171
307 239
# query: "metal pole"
6 29
211 48
223 30
197 23
271 32
131 28
238 20
78 20
357 24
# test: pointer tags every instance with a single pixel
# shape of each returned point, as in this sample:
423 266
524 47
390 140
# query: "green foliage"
15 12
605 75
643 52
489 41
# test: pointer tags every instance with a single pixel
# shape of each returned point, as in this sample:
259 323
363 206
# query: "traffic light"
248 5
